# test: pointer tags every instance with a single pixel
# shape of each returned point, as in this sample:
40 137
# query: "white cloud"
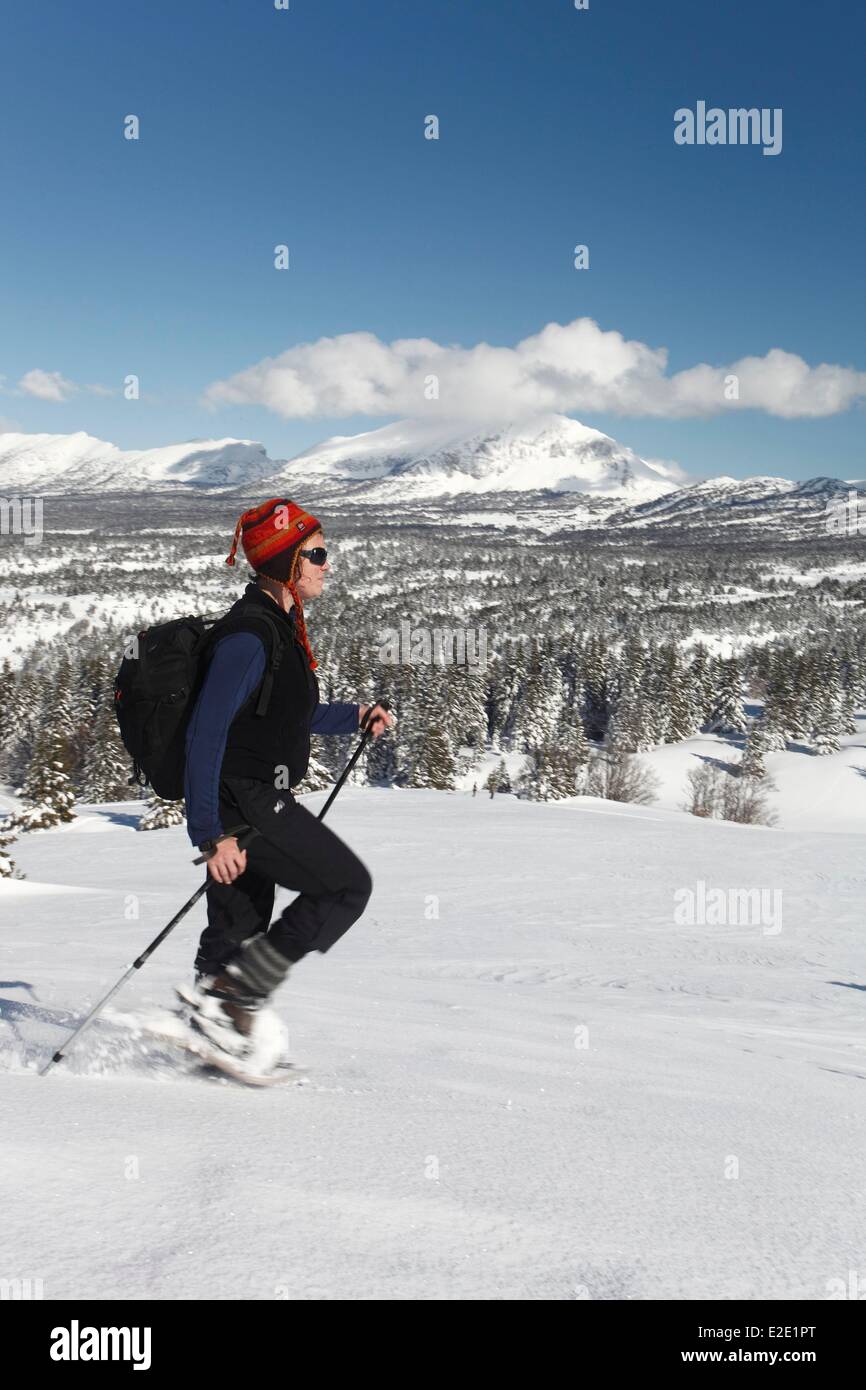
568 367
54 386
46 386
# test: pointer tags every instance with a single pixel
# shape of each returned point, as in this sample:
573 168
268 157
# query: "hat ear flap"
230 559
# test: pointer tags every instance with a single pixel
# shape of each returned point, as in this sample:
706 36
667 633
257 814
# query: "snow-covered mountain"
411 458
788 508
586 477
74 463
422 458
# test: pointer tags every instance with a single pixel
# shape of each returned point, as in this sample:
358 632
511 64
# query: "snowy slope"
790 509
453 1141
826 793
711 493
81 463
426 458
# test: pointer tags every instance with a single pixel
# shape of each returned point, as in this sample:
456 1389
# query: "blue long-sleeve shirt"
236 669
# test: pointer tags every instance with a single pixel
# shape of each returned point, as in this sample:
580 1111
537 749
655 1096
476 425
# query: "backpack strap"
278 645
279 641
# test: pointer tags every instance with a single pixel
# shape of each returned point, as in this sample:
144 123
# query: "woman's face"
311 580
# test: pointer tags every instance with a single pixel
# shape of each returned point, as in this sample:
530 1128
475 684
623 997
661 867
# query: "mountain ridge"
422 458
592 482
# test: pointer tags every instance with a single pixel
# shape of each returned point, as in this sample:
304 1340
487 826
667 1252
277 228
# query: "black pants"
292 849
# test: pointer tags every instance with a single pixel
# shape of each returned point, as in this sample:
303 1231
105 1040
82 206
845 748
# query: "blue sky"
259 127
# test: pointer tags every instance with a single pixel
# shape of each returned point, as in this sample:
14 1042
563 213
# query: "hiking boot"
228 1007
225 1013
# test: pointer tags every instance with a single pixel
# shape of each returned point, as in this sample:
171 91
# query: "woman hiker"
240 766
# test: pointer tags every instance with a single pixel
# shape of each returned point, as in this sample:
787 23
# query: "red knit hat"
271 535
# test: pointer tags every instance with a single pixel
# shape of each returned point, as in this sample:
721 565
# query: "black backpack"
156 688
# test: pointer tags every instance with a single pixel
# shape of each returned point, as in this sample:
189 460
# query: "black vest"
262 746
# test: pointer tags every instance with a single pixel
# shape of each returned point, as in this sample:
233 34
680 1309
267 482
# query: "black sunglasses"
317 556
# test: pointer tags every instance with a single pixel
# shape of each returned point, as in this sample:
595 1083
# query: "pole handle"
249 832
385 704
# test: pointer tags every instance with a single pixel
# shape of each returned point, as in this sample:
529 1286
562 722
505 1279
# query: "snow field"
525 1079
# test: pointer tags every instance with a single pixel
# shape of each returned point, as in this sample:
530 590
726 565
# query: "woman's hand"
227 861
381 719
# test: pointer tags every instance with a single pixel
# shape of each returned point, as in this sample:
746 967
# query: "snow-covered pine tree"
556 769
792 697
571 665
424 708
159 814
630 723
83 691
349 676
702 683
626 669
353 674
317 778
570 759
827 724
499 779
847 722
816 673
434 763
632 659
536 780
8 710
773 722
21 715
752 761
683 712
466 694
596 689
857 679
415 706
851 668
60 714
106 765
47 791
539 702
655 710
728 715
571 735
507 674
8 867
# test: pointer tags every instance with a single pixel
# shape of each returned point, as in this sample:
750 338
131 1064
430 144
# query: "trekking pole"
383 704
249 832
